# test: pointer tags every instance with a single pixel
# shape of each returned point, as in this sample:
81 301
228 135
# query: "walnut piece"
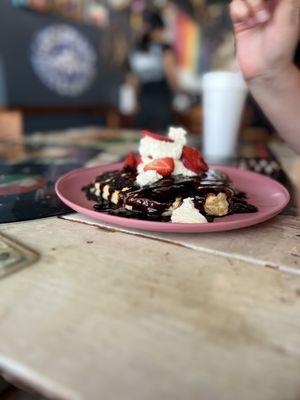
217 206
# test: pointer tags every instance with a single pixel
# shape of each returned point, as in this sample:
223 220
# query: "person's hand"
267 33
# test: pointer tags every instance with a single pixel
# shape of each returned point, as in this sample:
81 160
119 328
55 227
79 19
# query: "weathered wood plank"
108 315
274 244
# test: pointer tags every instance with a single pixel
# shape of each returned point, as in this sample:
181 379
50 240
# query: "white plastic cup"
224 96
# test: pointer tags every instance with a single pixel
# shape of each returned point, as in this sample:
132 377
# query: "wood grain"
103 315
274 244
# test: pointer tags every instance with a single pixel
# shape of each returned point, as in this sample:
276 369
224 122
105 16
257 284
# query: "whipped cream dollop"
187 213
178 135
180 169
159 148
145 161
148 178
152 149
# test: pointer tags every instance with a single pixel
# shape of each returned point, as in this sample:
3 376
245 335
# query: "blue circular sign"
64 60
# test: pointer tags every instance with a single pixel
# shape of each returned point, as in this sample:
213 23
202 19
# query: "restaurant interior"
199 32
79 81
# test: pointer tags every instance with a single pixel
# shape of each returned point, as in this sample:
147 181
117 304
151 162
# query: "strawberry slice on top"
192 160
157 137
130 162
163 166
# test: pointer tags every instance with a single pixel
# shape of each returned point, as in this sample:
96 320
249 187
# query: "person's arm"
267 33
171 71
279 97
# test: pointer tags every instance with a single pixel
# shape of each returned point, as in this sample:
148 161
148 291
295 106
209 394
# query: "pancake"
213 194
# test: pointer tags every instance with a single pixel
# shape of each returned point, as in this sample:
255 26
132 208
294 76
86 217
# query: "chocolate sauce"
117 194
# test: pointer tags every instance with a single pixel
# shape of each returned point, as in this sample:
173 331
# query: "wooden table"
109 315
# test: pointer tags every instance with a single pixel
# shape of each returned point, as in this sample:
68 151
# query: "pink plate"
266 194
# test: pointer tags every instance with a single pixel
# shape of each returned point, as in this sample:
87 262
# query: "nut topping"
216 205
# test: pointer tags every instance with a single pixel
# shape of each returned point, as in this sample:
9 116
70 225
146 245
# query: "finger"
259 10
239 11
241 16
286 12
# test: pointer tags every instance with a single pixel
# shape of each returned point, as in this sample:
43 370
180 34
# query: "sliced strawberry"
130 162
163 166
193 160
157 137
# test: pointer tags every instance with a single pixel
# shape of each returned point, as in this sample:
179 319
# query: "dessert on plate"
167 181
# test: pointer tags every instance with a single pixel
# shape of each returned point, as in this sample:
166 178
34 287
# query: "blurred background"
111 63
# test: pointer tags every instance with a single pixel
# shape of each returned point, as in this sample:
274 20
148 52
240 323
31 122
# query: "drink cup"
224 95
